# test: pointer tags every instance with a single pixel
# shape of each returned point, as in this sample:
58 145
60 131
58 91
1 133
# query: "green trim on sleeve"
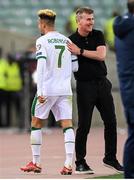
43 57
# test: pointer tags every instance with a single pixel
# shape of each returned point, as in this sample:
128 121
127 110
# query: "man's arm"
123 25
99 54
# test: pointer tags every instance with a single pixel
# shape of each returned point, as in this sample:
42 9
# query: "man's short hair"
82 10
86 10
48 15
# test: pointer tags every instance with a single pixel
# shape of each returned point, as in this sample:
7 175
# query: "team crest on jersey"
38 47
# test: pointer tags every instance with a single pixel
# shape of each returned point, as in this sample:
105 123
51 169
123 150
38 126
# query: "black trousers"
90 94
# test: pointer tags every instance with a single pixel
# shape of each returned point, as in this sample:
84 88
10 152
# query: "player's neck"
49 29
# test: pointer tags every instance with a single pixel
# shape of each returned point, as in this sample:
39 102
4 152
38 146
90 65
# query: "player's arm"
41 68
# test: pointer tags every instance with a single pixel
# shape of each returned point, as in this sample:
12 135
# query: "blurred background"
18 33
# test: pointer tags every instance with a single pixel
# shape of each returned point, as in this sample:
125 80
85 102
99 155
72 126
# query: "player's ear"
44 25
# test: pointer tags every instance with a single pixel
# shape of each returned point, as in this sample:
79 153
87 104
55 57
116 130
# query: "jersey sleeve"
40 49
41 66
74 63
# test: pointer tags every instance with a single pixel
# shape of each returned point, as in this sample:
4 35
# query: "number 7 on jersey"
61 48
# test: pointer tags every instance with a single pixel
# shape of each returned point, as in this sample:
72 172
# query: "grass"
114 176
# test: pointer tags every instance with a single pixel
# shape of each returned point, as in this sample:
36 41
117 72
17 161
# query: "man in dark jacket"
124 45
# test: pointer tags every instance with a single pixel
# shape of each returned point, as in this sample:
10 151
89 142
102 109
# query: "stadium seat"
20 14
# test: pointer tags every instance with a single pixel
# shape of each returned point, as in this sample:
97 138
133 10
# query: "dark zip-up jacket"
124 43
124 46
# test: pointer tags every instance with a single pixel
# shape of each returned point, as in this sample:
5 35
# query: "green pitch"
115 176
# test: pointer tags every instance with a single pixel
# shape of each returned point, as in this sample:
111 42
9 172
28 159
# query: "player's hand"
41 99
73 48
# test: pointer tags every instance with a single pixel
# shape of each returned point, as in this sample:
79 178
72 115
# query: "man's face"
86 22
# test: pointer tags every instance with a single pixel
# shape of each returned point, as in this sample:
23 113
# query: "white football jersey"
55 65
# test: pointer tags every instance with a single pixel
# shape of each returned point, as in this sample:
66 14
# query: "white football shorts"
61 106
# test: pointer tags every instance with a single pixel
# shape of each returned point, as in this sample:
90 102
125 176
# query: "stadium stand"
20 16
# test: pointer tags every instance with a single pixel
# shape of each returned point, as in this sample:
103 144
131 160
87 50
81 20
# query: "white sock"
36 141
69 140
